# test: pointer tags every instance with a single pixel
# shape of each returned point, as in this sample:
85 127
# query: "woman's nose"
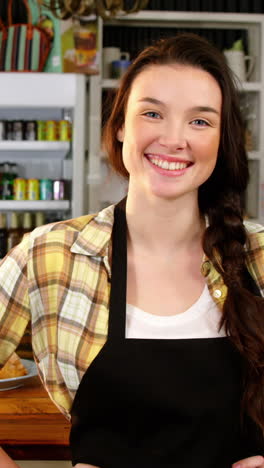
173 137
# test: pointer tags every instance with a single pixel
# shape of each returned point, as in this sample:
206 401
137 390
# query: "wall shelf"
36 205
34 149
251 86
38 90
156 18
110 84
254 155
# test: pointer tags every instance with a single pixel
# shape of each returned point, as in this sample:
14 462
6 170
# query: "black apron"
157 403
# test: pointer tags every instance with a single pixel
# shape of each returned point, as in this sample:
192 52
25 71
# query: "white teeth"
171 166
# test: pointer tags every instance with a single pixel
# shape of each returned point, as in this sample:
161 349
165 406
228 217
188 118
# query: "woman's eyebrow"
151 100
195 108
205 109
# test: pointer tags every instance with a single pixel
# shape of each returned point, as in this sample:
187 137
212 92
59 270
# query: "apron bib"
155 403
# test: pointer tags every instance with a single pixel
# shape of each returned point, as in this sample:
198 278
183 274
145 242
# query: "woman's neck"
160 226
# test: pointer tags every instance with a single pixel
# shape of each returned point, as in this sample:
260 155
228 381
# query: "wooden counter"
31 426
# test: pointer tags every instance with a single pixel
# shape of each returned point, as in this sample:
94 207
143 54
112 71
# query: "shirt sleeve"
255 257
14 300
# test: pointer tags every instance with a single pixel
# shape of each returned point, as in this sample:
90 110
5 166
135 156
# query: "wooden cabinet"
31 426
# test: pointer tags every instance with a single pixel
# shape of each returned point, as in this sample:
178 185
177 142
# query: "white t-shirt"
201 320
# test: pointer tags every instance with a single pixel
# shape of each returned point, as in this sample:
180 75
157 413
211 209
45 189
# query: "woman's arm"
14 300
83 465
5 460
251 462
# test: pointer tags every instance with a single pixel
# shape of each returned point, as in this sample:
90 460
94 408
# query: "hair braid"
224 243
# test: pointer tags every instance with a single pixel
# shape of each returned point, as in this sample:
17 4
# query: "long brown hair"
221 198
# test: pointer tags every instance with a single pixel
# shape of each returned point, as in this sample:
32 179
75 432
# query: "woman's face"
171 131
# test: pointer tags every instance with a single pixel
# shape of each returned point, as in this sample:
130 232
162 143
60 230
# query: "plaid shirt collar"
94 239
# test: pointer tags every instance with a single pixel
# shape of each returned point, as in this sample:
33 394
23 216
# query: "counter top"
31 426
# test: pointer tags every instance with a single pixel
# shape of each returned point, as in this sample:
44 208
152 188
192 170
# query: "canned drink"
31 130
64 130
1 180
58 189
9 129
46 189
2 130
13 170
33 189
41 130
51 130
20 189
18 130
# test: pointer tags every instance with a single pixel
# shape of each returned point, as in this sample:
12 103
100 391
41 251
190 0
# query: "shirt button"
217 293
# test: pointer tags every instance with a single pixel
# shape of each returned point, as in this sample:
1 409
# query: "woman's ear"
121 134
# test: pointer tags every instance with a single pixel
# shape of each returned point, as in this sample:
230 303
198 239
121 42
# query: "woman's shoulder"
253 227
255 253
85 234
59 228
255 233
73 227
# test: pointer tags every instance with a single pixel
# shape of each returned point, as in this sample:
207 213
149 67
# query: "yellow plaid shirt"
59 277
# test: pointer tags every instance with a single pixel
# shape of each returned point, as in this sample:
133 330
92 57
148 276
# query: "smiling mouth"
168 165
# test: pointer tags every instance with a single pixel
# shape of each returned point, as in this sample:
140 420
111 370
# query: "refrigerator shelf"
36 205
33 149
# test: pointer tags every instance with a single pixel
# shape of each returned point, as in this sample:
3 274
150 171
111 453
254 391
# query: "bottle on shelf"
1 180
8 177
65 125
26 223
3 235
15 233
39 218
67 115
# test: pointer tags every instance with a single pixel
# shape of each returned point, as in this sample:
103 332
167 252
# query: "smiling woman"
147 317
171 131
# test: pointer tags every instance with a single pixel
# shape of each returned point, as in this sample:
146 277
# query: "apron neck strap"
117 305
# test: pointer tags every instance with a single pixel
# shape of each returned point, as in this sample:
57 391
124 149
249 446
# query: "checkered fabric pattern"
59 278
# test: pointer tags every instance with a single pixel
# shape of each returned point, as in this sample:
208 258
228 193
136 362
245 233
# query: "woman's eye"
152 114
200 122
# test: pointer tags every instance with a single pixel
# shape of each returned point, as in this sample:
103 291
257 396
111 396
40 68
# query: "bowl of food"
16 372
